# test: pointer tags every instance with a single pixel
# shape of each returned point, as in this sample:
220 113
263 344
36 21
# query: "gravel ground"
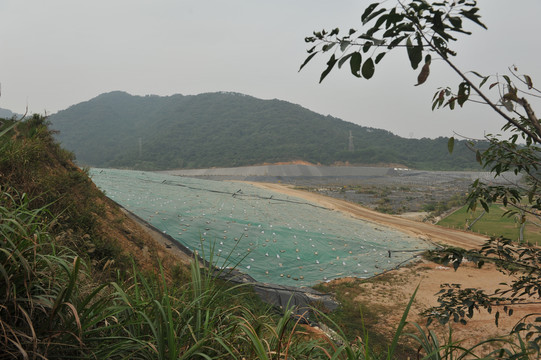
385 189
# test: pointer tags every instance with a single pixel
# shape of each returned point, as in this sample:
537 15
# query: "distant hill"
6 114
228 129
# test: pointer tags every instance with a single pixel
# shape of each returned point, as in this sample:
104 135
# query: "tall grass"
51 308
40 303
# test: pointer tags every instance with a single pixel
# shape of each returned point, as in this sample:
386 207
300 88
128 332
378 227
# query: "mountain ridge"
225 129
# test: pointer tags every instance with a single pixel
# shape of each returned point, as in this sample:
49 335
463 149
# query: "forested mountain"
228 129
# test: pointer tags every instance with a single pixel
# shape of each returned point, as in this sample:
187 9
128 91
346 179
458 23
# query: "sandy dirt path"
422 230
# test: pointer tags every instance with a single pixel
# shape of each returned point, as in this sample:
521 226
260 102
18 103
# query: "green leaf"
484 205
532 193
479 159
307 60
471 15
328 47
343 60
355 64
415 54
367 45
451 144
373 15
463 93
330 65
344 44
379 57
452 103
397 41
368 11
483 82
368 68
456 22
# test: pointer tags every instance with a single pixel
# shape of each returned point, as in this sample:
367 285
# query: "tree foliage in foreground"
426 31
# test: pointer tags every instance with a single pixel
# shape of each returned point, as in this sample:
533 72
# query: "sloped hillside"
229 129
34 167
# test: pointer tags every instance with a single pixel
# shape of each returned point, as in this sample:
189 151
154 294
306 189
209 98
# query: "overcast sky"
56 53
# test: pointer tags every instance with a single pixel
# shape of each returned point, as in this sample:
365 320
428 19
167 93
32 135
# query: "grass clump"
494 223
40 304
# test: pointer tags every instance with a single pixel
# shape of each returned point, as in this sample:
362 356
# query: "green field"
493 223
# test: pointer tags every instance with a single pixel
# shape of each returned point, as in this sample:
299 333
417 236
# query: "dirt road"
425 231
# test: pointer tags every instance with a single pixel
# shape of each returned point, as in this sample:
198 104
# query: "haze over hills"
151 132
6 114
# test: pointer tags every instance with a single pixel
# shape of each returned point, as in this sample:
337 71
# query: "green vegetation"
62 298
227 129
425 30
493 223
437 208
52 304
69 291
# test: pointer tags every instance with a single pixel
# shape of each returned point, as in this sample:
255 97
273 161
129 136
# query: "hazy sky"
57 53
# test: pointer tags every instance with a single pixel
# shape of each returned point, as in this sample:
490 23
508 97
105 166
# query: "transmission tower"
350 145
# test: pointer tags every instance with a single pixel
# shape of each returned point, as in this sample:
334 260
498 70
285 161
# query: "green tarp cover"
272 237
